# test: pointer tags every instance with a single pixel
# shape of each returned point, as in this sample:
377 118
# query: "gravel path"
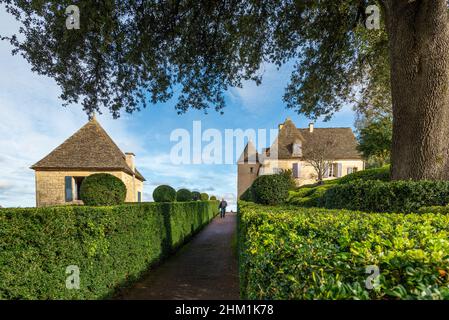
205 268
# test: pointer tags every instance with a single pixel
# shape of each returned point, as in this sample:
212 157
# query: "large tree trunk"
419 52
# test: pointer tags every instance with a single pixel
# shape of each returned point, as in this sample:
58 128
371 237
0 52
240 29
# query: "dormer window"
297 149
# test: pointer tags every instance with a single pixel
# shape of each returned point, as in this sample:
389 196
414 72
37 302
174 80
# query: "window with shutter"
295 170
139 196
339 170
68 189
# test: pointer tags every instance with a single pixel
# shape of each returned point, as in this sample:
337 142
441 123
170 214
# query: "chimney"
311 127
130 160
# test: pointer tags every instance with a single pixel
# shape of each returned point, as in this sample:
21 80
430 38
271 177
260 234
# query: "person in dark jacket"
222 206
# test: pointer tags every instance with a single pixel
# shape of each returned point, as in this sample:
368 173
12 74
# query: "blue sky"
33 122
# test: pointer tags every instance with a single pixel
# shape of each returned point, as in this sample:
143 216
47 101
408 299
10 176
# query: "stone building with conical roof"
288 150
90 150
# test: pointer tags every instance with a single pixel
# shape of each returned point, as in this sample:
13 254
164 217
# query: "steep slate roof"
346 143
288 135
90 148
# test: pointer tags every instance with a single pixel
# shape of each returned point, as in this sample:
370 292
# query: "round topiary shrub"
204 196
196 196
213 198
248 195
270 189
183 195
164 193
102 189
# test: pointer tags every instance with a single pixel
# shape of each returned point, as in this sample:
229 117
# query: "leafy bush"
302 192
184 195
112 246
164 193
248 195
102 189
434 209
196 196
270 189
213 198
308 196
204 196
382 174
288 174
311 253
395 196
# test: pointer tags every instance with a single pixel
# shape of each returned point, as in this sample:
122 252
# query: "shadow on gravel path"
205 268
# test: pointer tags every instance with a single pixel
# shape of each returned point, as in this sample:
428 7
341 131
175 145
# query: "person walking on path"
222 206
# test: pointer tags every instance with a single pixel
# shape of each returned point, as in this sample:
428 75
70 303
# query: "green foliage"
248 195
111 65
312 195
302 192
164 193
288 173
184 195
204 196
213 198
395 196
102 189
375 140
382 174
309 253
434 209
270 189
112 246
196 196
308 196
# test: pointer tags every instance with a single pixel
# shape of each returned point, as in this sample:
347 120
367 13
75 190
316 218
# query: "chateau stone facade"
90 150
289 148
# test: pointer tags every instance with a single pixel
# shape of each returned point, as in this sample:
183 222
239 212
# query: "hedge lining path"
205 268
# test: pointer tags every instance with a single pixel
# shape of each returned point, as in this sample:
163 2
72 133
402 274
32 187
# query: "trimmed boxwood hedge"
248 195
164 193
112 246
184 195
394 196
196 196
102 189
270 189
434 209
382 174
204 196
287 252
308 196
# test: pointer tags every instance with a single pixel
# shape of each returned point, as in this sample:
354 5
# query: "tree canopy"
128 54
375 141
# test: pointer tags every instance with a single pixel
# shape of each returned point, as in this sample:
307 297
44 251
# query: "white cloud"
258 98
33 122
213 179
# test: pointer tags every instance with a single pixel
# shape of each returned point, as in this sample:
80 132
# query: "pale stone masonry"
290 144
90 150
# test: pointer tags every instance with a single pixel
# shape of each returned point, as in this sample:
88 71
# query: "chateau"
290 145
